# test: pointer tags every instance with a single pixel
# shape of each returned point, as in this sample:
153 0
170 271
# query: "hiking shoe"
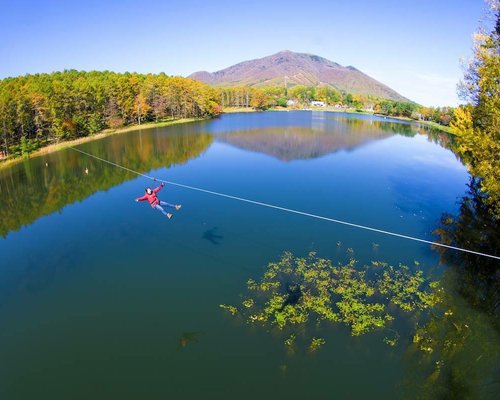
169 215
178 207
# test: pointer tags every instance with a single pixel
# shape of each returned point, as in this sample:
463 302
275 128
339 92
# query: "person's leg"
160 208
164 203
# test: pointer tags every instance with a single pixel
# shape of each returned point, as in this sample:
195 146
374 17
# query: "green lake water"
104 298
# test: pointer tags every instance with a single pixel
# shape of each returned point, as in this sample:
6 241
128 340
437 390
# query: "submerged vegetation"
297 291
451 350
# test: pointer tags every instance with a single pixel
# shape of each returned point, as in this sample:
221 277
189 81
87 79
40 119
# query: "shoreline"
233 110
52 148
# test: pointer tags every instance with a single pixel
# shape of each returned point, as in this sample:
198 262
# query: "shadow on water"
293 295
212 236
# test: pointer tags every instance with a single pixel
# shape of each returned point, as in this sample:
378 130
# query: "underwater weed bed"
295 292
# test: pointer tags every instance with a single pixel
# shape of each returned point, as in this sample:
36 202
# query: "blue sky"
415 47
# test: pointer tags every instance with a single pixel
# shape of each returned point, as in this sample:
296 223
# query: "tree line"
36 110
269 97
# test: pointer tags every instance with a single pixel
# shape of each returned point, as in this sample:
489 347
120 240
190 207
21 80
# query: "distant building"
315 103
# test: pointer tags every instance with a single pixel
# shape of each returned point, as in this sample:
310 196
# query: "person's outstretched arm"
156 190
141 198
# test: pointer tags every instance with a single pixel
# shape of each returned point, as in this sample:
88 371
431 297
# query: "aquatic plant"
316 343
232 310
298 291
290 340
392 341
248 303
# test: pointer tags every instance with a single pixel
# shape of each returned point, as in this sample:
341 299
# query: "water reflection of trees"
34 189
476 229
456 353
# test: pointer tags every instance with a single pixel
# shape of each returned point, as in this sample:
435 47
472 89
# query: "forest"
37 110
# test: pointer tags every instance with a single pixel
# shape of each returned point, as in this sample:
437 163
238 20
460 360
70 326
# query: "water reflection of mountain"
322 138
33 189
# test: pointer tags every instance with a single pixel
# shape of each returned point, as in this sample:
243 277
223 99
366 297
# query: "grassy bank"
107 132
443 128
231 110
434 125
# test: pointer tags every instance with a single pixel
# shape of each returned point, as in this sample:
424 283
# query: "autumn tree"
328 95
141 107
36 109
477 124
302 93
260 101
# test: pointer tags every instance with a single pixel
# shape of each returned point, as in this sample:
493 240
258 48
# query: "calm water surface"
102 297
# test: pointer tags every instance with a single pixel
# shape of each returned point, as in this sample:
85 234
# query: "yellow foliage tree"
141 107
477 125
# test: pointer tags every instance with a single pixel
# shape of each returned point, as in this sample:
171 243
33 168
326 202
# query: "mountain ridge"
297 69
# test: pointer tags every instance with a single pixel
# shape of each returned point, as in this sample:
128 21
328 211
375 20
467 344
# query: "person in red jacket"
155 202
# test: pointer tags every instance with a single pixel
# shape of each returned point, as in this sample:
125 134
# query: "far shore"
51 148
232 110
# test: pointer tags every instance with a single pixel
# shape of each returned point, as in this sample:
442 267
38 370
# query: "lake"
102 297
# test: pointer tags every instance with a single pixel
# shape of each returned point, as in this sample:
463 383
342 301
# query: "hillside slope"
298 69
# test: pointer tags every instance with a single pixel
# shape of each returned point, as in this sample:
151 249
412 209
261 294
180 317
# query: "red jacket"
153 200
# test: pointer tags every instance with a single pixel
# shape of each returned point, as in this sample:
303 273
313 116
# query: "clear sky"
414 47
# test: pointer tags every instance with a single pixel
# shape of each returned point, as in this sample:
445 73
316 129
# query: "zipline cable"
259 203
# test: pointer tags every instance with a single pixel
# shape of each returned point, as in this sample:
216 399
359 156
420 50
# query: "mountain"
297 69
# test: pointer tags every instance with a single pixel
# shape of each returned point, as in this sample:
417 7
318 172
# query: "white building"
315 103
